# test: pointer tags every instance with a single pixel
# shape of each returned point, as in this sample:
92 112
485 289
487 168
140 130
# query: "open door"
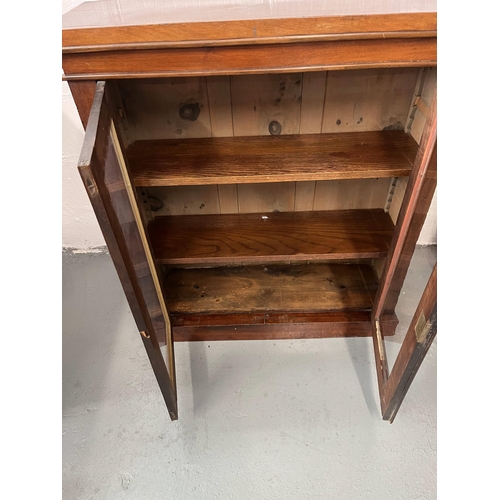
106 178
417 199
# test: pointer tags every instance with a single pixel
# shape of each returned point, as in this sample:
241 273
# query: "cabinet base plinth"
339 325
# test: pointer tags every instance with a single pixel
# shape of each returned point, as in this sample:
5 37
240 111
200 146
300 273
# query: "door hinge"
422 328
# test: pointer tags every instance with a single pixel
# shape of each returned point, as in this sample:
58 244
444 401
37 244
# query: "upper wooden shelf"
229 160
272 237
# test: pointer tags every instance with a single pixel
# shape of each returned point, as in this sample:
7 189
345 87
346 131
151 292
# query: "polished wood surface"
229 160
315 287
77 36
276 236
103 180
83 93
420 335
245 59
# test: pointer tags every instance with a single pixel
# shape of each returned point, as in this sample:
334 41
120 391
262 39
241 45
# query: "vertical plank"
313 100
350 194
228 198
219 101
311 121
304 196
153 106
328 195
221 122
83 95
363 100
258 100
272 197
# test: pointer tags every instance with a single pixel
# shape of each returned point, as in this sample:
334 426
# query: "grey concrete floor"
257 419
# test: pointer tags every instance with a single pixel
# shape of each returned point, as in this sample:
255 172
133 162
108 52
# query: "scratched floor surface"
257 420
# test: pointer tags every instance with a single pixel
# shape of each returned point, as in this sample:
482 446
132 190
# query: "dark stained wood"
251 290
102 178
418 195
83 94
276 236
278 58
413 350
417 222
416 202
260 31
230 160
315 326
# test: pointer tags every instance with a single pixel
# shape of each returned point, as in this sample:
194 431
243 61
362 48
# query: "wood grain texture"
429 88
187 200
295 236
262 198
315 326
271 159
364 100
259 99
261 31
220 106
412 352
83 94
351 194
416 202
251 290
247 59
152 108
100 171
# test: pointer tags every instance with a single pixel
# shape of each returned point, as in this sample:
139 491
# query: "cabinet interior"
249 227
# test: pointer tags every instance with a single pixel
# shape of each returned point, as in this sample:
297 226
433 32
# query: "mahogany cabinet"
260 179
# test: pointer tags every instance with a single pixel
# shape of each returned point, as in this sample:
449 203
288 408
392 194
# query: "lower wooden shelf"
272 301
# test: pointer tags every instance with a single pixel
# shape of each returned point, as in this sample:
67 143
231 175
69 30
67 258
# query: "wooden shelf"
293 288
271 294
276 236
229 160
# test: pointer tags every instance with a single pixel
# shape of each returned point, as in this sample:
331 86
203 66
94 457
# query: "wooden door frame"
416 203
132 272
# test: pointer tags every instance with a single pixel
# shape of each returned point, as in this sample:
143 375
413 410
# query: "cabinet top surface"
117 13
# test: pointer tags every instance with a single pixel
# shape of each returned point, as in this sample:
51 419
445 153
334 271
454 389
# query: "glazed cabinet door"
105 175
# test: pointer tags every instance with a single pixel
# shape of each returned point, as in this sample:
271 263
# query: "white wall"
80 230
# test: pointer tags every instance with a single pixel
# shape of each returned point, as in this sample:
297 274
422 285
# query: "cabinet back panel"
302 103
